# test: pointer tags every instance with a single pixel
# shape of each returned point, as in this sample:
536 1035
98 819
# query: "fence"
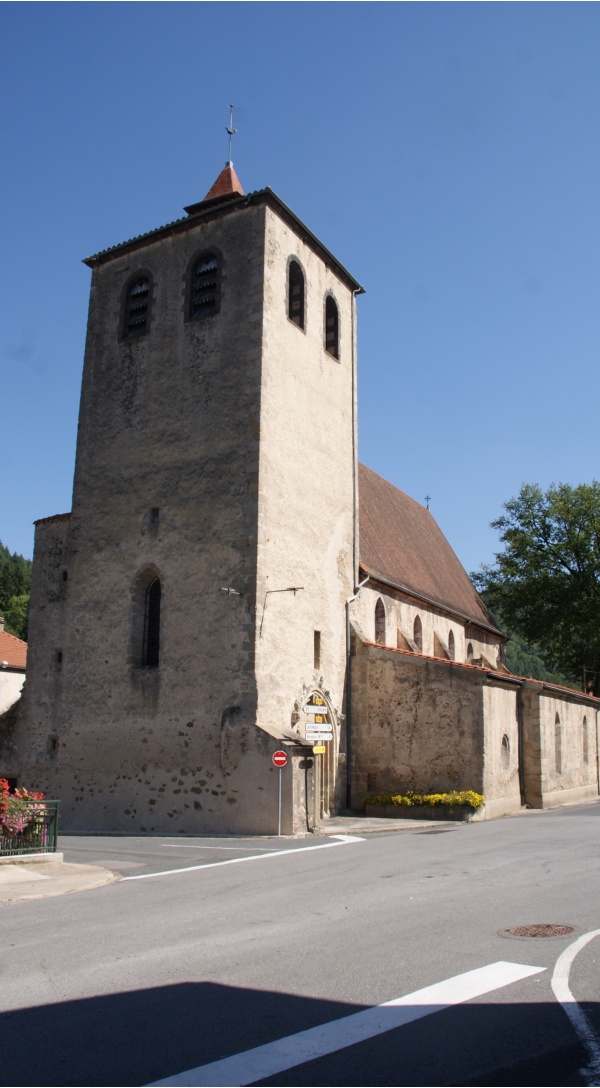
39 834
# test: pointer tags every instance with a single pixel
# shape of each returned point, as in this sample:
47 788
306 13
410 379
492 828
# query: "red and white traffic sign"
279 758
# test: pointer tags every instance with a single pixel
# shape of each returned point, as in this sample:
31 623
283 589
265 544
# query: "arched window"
451 647
296 294
470 652
505 751
136 306
151 625
204 289
145 620
332 328
380 622
418 634
558 745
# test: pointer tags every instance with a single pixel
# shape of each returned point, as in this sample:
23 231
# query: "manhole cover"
543 929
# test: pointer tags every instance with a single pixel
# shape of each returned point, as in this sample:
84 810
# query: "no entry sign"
279 759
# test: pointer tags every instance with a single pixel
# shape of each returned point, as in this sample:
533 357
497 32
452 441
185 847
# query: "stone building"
199 607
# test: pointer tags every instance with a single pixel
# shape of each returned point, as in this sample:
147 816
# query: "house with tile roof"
13 661
230 582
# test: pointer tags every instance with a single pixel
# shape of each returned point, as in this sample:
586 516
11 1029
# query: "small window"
418 634
451 646
505 751
205 286
332 328
470 654
145 620
152 625
586 742
296 294
380 622
138 297
558 745
317 649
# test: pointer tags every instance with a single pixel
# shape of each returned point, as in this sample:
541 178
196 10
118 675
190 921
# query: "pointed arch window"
332 328
451 646
204 288
418 634
296 294
151 645
380 622
558 744
145 620
137 303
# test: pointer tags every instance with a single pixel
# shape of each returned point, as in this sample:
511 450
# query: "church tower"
193 601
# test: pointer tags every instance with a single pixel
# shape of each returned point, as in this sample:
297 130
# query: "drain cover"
542 930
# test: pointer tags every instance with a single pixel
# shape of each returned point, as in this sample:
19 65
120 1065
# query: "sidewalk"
365 825
44 875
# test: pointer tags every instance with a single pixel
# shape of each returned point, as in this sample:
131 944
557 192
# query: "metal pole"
279 809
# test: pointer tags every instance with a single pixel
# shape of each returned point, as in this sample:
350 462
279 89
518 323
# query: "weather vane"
230 130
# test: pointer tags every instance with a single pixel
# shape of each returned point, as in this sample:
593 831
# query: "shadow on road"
141 1036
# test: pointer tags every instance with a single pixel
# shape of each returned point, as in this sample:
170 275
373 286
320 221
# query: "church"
231 583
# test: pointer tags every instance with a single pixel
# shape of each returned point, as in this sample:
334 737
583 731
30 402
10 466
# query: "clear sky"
447 153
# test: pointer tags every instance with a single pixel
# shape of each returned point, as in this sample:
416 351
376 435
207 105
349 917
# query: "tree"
15 584
16 616
546 582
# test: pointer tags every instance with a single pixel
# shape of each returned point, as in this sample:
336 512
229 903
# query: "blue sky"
447 153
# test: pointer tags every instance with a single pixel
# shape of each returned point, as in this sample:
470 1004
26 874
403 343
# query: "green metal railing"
38 836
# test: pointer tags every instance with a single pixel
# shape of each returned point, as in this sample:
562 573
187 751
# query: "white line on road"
273 1058
343 840
562 993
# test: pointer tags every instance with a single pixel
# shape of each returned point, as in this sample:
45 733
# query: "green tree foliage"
16 616
546 582
522 659
15 586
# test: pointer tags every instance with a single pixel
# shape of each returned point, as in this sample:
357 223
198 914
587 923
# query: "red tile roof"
12 650
400 541
227 182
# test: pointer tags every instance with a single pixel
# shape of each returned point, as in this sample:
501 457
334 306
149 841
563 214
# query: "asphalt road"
212 948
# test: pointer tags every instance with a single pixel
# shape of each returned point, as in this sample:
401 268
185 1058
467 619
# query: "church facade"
230 582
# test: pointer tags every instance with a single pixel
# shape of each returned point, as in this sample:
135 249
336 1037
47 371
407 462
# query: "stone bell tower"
193 600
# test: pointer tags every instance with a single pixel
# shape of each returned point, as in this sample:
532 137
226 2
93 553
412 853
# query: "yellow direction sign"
319 749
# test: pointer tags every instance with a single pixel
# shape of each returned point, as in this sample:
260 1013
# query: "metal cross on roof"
428 500
230 130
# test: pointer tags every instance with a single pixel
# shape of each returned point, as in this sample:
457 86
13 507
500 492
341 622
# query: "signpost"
279 759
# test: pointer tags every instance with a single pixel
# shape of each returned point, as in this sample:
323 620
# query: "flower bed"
454 805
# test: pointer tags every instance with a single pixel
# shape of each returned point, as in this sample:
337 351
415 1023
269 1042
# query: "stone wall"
561 745
416 724
401 611
305 526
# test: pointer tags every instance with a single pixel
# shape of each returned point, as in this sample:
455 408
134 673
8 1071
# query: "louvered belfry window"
137 307
332 333
205 293
296 294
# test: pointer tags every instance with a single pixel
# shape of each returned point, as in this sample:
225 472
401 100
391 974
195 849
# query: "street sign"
319 749
318 736
279 758
312 708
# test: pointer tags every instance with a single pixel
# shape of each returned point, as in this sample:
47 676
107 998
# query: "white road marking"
562 992
343 840
273 1058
